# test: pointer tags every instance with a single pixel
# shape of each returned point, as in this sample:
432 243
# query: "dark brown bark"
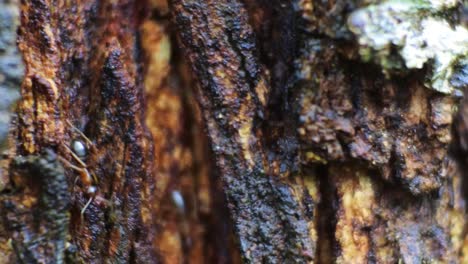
379 145
227 130
189 201
84 82
88 77
270 221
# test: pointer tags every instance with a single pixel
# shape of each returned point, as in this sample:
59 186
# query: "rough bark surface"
189 203
378 145
229 131
269 219
83 82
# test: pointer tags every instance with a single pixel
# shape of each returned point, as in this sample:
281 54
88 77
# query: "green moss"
400 35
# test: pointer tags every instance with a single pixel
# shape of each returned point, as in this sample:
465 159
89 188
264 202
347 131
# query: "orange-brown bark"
88 78
189 131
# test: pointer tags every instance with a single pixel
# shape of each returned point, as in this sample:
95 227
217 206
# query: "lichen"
11 66
400 35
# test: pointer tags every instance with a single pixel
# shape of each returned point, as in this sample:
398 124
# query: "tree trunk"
234 131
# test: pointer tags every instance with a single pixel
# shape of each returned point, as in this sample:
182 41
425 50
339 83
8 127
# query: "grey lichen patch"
11 65
401 35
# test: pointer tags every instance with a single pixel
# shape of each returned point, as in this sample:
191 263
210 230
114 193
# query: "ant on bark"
78 151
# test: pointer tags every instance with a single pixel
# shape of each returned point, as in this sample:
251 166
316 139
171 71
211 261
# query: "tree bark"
376 142
233 131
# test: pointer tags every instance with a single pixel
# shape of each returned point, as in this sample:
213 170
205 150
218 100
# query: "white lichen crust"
401 35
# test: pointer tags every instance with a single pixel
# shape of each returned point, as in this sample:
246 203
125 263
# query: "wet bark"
80 81
360 156
101 74
223 131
